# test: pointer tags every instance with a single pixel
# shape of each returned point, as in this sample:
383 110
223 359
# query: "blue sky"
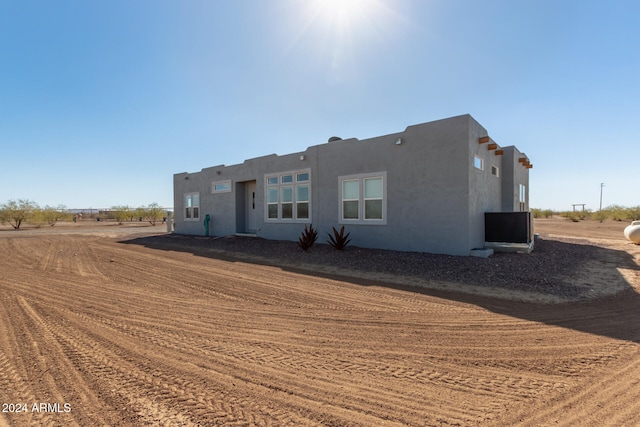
101 102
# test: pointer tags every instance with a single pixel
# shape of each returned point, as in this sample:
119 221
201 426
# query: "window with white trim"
192 207
495 171
363 199
288 196
221 186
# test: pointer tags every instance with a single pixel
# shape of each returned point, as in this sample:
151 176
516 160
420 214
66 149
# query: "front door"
251 211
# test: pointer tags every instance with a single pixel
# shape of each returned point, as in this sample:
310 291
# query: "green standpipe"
207 219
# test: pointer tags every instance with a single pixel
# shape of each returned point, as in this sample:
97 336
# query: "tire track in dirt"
203 353
616 391
244 355
157 386
150 337
282 358
251 356
18 365
114 372
59 372
264 290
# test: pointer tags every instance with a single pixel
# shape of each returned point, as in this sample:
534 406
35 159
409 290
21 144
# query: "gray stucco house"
425 189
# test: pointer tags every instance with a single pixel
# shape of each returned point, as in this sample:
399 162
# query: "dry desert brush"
307 238
339 240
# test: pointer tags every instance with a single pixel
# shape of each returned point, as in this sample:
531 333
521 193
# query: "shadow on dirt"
566 268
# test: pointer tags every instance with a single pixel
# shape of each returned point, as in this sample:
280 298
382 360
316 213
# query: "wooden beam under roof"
483 139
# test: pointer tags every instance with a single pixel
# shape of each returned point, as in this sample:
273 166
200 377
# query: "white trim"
187 217
361 199
293 184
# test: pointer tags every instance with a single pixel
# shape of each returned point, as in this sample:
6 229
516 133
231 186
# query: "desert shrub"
339 240
617 212
586 214
51 214
542 213
576 216
600 215
573 216
37 218
307 238
633 213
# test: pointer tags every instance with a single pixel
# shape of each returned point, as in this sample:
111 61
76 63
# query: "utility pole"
601 185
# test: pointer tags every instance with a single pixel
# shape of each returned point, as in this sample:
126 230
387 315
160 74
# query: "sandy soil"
95 331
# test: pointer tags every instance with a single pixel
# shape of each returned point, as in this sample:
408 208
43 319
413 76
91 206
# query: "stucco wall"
515 175
426 186
485 188
435 198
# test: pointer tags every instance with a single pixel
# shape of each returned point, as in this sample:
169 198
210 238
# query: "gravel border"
547 270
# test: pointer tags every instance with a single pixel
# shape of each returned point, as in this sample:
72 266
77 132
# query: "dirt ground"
95 331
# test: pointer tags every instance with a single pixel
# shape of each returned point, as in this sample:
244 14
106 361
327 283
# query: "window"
363 199
350 199
373 198
495 171
192 207
478 162
523 198
272 203
287 202
222 187
302 202
288 196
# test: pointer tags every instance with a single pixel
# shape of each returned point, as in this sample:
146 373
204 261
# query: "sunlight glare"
341 13
342 9
344 34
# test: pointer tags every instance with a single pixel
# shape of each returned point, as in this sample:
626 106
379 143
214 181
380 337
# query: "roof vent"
335 138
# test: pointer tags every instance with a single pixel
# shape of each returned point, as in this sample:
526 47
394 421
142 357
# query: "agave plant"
339 240
307 238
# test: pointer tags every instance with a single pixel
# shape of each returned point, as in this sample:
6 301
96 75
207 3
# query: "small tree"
152 213
15 213
122 213
140 213
51 215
